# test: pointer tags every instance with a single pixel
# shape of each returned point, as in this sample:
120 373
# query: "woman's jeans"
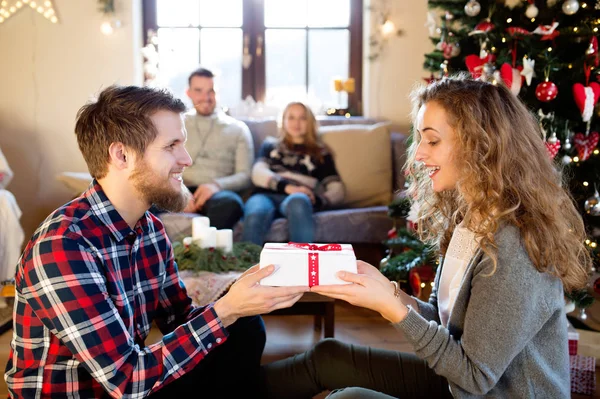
350 372
262 208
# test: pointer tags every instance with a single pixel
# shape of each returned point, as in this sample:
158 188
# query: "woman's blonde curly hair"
506 174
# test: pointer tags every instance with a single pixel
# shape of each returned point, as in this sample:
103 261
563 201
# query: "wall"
390 78
48 72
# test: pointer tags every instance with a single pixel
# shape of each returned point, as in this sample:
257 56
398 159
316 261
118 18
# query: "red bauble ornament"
546 91
392 233
415 281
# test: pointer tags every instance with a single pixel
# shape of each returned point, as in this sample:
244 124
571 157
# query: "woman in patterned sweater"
294 176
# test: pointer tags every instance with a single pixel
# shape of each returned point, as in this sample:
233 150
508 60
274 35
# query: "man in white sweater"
222 153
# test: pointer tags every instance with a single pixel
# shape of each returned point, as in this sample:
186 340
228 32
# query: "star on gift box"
43 7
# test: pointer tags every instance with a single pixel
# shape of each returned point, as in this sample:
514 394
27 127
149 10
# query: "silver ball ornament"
531 11
455 49
570 7
592 205
567 145
567 160
472 8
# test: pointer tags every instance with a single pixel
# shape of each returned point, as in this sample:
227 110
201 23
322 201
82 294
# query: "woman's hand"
370 289
291 189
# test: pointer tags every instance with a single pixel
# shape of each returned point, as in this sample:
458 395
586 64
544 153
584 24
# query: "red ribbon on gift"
314 247
313 258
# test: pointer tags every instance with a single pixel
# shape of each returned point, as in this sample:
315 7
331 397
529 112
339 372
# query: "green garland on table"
192 257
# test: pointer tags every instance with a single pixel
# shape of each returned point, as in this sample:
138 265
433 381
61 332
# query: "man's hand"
291 189
248 298
203 193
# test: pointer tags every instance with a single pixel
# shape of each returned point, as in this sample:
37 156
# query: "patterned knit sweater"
277 166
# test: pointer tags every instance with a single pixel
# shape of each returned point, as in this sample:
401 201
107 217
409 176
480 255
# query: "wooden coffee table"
319 306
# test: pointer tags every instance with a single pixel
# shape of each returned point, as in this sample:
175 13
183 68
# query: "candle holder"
340 86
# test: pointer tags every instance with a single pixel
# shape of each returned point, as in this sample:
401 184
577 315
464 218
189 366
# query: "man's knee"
227 199
249 328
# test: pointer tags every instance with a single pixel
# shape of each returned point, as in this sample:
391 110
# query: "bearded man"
100 270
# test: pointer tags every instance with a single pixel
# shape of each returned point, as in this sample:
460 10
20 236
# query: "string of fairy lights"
44 8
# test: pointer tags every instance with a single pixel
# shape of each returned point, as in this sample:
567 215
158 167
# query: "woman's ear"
118 155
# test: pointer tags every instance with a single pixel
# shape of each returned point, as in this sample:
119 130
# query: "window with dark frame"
273 50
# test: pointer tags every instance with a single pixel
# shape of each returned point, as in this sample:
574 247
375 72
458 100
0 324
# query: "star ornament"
43 7
528 69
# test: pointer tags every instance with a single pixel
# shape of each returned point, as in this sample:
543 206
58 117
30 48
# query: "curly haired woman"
511 239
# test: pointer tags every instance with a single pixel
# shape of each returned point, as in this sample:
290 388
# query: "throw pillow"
363 158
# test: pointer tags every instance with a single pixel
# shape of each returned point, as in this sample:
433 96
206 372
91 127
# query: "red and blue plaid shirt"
88 288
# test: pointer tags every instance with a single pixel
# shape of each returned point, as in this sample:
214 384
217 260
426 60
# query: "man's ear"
187 92
119 155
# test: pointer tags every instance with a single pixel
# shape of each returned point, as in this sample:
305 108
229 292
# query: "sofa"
369 158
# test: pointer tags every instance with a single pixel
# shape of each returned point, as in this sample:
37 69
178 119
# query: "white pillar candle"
225 240
207 238
199 223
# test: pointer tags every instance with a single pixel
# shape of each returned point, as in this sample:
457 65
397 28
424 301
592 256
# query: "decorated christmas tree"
545 52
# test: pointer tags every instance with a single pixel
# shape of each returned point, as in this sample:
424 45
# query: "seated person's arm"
244 156
262 175
64 282
331 189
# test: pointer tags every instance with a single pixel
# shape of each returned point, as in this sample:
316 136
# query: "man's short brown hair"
121 114
201 73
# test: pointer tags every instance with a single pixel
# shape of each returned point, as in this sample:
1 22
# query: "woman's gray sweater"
507 332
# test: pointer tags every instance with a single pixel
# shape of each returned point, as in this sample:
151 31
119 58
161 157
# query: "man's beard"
158 191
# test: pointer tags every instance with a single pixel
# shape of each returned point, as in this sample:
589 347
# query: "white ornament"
570 7
513 3
532 11
472 8
431 25
528 69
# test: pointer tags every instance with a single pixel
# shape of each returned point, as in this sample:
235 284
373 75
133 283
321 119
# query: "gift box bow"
315 247
312 256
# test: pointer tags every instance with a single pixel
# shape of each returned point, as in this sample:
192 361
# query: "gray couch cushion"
361 225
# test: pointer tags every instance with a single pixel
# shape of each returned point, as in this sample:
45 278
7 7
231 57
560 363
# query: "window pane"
226 65
332 13
285 13
224 13
177 12
328 60
285 65
177 57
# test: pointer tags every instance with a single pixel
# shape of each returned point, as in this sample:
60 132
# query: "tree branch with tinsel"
192 257
412 253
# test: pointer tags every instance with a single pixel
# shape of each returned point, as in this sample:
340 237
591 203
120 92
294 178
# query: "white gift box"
307 264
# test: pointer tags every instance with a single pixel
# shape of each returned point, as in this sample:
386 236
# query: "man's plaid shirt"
88 288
